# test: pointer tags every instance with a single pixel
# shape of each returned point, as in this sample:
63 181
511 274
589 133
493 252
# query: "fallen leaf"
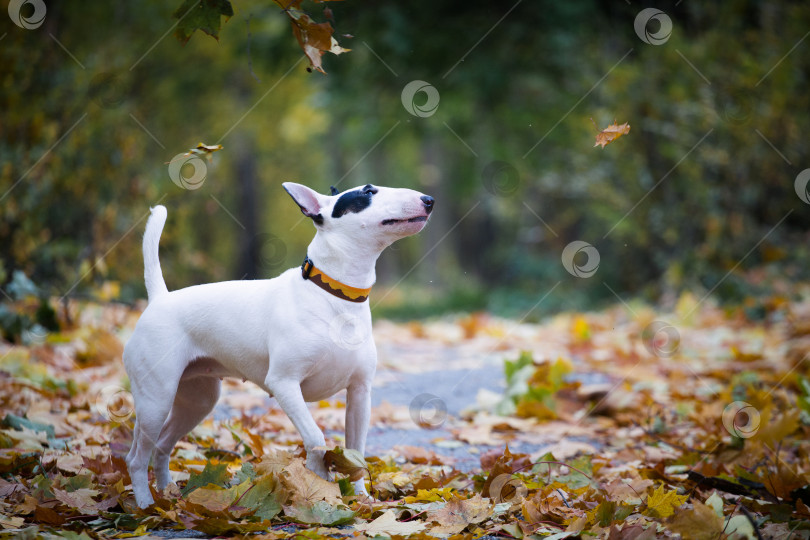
662 503
307 487
700 522
388 525
80 499
320 512
458 514
346 461
213 473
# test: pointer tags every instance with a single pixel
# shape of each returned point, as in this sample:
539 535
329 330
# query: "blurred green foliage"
99 98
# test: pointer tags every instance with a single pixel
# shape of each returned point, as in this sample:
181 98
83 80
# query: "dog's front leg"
358 414
289 397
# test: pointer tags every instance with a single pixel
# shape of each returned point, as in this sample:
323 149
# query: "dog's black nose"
428 200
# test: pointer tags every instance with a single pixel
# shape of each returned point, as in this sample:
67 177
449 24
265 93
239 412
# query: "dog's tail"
155 286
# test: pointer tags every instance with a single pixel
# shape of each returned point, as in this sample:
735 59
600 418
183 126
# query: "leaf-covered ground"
629 423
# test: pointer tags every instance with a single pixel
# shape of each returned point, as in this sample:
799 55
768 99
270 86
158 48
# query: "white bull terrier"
302 336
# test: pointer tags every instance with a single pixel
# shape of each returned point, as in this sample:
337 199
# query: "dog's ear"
308 200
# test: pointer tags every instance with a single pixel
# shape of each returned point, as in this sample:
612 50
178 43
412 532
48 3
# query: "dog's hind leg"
194 400
152 407
134 448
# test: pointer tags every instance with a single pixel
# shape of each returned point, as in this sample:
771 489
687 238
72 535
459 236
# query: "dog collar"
332 286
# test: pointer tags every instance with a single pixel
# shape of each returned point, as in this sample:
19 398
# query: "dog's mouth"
404 220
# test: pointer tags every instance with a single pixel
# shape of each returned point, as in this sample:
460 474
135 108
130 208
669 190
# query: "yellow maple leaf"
430 495
662 503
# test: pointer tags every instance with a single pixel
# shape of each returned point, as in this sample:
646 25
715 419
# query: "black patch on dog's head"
333 190
354 201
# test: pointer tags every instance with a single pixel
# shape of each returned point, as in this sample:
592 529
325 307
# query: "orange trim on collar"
332 286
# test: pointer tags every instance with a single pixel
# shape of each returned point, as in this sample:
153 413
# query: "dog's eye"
369 189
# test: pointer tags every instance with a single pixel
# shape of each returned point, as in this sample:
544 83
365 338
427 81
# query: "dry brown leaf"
80 499
274 462
307 487
611 133
458 514
699 522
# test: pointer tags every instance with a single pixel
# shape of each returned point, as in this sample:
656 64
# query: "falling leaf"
201 150
201 15
206 150
314 38
611 133
662 503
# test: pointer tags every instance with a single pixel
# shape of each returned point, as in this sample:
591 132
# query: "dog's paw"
144 500
360 490
315 463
